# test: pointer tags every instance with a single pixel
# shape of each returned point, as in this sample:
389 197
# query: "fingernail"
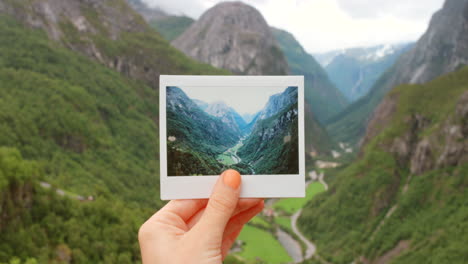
232 178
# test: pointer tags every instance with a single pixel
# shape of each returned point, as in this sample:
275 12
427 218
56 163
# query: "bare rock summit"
236 37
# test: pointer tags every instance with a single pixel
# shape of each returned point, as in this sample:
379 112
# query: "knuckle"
221 204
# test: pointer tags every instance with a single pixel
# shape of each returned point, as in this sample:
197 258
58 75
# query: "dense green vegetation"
278 154
40 226
431 214
91 129
171 27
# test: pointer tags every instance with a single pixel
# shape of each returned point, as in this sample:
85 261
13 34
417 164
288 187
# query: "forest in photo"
205 138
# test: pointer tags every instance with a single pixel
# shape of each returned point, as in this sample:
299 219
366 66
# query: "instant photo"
251 124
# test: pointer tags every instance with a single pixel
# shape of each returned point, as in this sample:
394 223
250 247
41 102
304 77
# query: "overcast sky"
323 25
245 100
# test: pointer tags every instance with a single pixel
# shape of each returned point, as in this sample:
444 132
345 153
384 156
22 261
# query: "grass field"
284 222
227 158
291 205
257 220
261 244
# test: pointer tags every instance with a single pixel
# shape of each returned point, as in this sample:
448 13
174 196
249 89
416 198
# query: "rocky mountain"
236 37
322 98
321 95
442 48
403 200
228 115
272 146
355 71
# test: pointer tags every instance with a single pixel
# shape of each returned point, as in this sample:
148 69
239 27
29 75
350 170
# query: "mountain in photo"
273 142
443 48
195 138
205 142
354 71
236 37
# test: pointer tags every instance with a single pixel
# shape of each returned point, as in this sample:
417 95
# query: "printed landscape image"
251 129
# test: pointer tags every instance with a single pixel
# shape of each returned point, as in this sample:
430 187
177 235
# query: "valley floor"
277 226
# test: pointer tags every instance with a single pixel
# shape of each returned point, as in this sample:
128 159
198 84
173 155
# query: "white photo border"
253 186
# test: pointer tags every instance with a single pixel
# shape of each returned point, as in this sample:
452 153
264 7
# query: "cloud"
192 8
323 25
398 8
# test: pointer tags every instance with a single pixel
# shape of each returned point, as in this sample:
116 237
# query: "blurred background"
386 91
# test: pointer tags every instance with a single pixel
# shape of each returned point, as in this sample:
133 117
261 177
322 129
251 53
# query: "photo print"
251 124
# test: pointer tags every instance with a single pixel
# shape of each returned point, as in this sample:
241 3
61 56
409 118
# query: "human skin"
198 231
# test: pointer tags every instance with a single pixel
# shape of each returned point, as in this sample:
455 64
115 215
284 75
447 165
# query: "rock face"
442 49
236 37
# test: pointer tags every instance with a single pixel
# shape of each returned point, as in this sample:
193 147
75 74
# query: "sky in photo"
324 25
245 100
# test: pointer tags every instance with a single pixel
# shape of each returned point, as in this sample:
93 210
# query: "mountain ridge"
442 48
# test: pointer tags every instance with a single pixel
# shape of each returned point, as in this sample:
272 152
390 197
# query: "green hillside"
87 130
171 27
422 192
40 226
323 97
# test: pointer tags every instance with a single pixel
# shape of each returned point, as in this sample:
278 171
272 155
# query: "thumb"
222 203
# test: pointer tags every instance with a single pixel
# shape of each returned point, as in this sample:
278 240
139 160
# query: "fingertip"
232 178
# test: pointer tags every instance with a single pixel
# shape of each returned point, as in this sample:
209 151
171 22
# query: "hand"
198 231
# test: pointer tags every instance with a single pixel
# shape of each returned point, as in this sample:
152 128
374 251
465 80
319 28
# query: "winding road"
310 246
232 152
